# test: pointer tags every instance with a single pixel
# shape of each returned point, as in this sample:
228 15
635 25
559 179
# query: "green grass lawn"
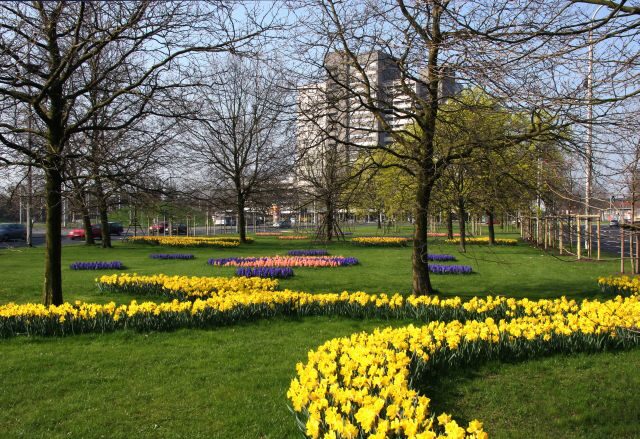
519 271
231 382
579 396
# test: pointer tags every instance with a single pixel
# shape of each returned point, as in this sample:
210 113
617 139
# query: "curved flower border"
363 385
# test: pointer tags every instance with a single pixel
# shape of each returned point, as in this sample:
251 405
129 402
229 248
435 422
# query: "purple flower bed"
291 261
271 272
231 260
314 252
113 265
450 269
441 258
171 256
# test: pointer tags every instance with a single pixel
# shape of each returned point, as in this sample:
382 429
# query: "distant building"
621 210
330 118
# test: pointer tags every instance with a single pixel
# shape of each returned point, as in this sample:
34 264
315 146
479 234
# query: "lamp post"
587 196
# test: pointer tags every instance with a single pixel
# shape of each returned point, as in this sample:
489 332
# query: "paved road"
38 235
38 241
609 240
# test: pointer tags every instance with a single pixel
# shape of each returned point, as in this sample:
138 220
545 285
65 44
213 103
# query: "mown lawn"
519 271
231 382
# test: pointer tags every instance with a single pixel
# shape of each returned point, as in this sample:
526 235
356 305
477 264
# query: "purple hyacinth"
312 252
338 260
441 257
346 261
225 261
450 269
113 265
171 256
270 272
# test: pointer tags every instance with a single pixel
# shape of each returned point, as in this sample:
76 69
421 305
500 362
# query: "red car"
158 229
79 233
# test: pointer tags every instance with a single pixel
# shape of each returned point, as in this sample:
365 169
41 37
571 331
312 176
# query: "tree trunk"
242 221
492 232
379 215
449 224
52 291
421 279
329 219
104 216
88 232
463 225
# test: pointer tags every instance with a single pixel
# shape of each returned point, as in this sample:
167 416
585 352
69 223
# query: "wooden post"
637 253
587 227
598 230
633 261
560 238
621 250
570 233
579 252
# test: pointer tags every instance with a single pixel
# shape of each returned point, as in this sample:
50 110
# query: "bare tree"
394 64
44 49
241 132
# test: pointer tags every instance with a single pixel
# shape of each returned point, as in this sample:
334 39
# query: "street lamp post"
589 171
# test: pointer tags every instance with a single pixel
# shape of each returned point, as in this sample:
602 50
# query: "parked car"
179 229
160 228
284 224
614 223
115 228
12 231
96 232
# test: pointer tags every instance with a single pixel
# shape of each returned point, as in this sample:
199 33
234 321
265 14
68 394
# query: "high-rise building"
334 114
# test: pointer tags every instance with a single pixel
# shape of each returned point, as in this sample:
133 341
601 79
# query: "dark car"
162 228
179 229
115 228
614 223
12 231
284 224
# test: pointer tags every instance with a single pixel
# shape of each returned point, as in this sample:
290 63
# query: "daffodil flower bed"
188 241
182 287
208 302
381 241
623 285
482 240
364 386
284 261
293 237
